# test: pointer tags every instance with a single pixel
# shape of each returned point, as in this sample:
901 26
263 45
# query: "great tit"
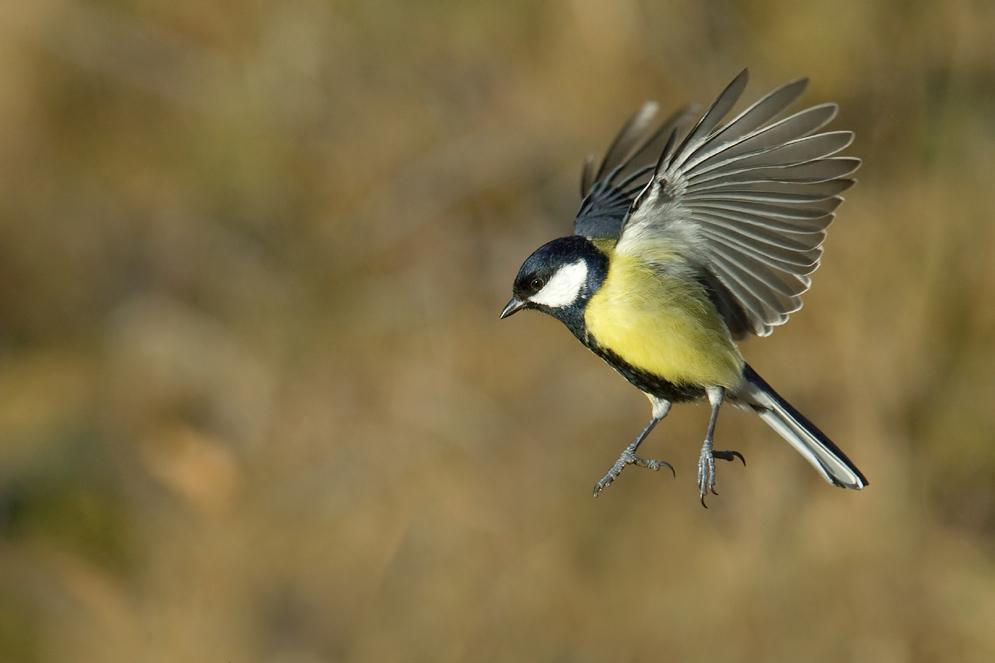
688 240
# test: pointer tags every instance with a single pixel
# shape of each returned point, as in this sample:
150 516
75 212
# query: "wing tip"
587 175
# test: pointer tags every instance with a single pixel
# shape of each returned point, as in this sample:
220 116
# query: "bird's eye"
536 284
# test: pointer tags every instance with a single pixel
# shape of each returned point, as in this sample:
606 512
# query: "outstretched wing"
747 201
624 171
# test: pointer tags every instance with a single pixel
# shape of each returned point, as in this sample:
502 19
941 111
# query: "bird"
690 238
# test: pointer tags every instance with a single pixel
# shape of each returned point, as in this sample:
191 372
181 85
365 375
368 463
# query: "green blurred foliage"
255 403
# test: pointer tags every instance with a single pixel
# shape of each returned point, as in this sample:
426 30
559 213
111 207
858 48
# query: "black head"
559 277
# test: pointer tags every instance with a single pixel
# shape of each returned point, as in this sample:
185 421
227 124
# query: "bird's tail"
801 433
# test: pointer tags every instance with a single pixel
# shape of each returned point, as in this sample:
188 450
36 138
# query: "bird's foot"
629 457
706 468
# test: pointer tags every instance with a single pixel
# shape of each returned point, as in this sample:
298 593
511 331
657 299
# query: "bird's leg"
706 461
629 457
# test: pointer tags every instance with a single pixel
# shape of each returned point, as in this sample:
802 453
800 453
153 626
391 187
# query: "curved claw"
600 486
629 458
655 465
703 502
729 455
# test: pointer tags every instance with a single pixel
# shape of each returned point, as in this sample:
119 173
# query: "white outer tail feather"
801 434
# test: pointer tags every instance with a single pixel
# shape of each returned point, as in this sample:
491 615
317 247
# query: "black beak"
513 306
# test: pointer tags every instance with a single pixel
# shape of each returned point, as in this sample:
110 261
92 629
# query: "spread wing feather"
760 113
623 172
749 201
811 173
800 124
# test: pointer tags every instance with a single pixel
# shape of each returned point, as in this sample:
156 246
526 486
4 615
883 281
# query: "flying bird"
690 238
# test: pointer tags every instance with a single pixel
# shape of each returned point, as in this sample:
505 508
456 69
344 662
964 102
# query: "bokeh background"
256 404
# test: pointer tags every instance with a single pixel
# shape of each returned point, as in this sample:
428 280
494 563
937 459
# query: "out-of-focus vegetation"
256 404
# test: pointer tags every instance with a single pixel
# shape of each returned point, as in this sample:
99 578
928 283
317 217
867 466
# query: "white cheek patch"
564 288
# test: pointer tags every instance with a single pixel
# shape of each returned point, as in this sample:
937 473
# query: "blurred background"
256 403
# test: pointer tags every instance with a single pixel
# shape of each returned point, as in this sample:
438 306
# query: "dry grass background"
256 404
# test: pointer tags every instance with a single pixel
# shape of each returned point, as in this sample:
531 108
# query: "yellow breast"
661 324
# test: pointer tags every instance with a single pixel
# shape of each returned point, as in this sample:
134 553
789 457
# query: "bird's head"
559 278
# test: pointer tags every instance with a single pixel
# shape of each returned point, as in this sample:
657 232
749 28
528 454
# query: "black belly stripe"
573 318
647 382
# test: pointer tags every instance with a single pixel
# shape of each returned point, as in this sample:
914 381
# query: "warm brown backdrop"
256 404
